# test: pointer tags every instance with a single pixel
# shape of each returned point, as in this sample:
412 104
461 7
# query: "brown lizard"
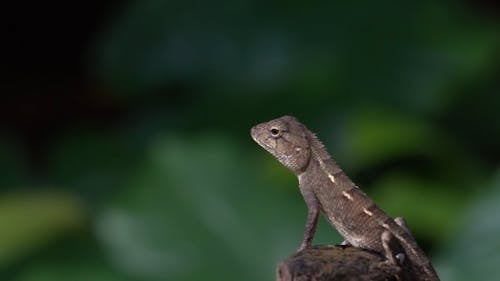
325 187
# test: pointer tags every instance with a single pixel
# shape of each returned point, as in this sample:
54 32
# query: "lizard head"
286 139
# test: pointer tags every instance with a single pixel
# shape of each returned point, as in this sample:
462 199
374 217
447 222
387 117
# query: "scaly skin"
326 188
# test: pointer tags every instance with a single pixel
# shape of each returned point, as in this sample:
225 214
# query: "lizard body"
325 187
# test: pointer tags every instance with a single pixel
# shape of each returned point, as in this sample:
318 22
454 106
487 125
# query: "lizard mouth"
268 147
255 136
259 135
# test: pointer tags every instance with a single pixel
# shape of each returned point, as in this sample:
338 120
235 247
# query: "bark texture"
335 263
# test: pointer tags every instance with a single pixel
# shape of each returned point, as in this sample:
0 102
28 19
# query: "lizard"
327 189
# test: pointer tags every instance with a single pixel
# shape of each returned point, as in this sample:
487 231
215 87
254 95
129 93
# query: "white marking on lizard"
367 212
347 195
323 165
332 178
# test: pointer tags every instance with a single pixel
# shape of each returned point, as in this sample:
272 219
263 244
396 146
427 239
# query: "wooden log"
335 263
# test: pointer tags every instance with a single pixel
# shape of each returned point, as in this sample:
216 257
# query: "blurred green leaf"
375 136
428 207
11 164
93 163
473 252
31 220
81 267
192 212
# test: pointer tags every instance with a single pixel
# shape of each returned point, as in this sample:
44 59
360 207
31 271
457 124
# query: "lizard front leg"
313 209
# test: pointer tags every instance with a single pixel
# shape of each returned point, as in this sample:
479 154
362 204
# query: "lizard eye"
275 132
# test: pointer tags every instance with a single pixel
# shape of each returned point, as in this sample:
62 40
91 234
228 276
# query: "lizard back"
357 218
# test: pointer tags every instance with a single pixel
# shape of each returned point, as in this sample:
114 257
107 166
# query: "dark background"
125 151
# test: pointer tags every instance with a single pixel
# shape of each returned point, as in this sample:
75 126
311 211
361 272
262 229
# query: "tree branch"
335 263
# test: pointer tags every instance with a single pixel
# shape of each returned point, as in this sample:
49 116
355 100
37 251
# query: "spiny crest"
318 147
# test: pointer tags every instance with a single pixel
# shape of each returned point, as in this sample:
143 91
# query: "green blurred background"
125 151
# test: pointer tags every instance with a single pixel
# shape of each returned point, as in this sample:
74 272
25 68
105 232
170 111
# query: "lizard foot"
303 246
400 258
390 247
393 252
345 243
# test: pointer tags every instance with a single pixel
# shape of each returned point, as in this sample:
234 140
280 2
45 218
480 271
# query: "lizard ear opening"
298 150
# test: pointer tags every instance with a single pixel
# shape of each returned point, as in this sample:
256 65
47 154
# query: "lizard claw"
400 258
345 243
